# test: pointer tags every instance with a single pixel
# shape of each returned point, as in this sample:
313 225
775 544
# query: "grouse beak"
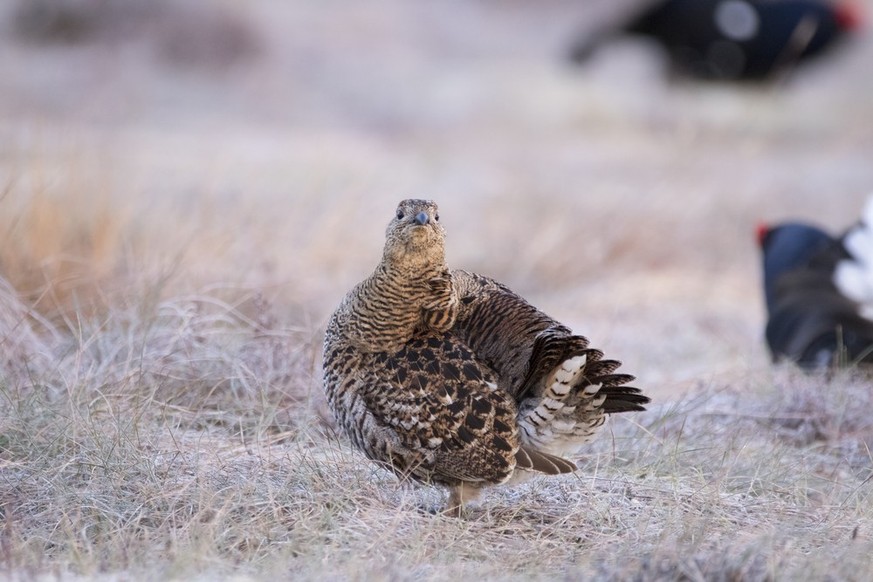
421 219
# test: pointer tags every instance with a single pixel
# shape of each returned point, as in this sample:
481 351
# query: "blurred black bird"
819 293
735 39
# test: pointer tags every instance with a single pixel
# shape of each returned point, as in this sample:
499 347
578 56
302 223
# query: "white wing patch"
737 20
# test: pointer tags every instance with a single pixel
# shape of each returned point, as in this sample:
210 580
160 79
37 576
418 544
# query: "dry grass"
189 447
172 241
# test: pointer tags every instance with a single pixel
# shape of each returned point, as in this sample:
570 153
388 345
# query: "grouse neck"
412 266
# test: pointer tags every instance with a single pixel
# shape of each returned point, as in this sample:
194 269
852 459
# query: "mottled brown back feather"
523 344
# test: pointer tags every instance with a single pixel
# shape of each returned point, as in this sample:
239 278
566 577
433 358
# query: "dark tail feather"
628 401
553 347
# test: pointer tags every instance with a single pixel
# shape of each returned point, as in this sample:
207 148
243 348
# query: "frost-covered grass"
173 236
186 443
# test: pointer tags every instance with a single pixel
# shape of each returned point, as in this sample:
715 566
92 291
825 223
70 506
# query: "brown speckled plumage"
450 378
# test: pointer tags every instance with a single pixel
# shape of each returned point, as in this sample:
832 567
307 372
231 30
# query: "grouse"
819 293
449 378
735 39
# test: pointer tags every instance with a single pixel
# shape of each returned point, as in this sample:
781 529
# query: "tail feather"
619 397
615 380
551 347
564 410
534 460
630 400
854 275
603 368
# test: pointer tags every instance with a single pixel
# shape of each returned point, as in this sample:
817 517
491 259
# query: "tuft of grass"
62 252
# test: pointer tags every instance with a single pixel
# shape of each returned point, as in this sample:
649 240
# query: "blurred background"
258 149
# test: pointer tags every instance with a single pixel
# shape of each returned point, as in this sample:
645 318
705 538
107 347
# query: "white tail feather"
854 277
552 427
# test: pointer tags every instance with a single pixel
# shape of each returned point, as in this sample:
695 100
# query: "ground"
190 188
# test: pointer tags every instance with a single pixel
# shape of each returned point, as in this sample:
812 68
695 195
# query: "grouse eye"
436 217
399 214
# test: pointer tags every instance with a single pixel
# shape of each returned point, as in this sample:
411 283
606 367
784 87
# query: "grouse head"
415 239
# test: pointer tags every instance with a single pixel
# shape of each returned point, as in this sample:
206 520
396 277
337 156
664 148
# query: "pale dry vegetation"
174 234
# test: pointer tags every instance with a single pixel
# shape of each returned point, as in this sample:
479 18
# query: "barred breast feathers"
411 289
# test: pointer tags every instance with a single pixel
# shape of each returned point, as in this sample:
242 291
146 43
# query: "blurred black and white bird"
734 39
819 293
